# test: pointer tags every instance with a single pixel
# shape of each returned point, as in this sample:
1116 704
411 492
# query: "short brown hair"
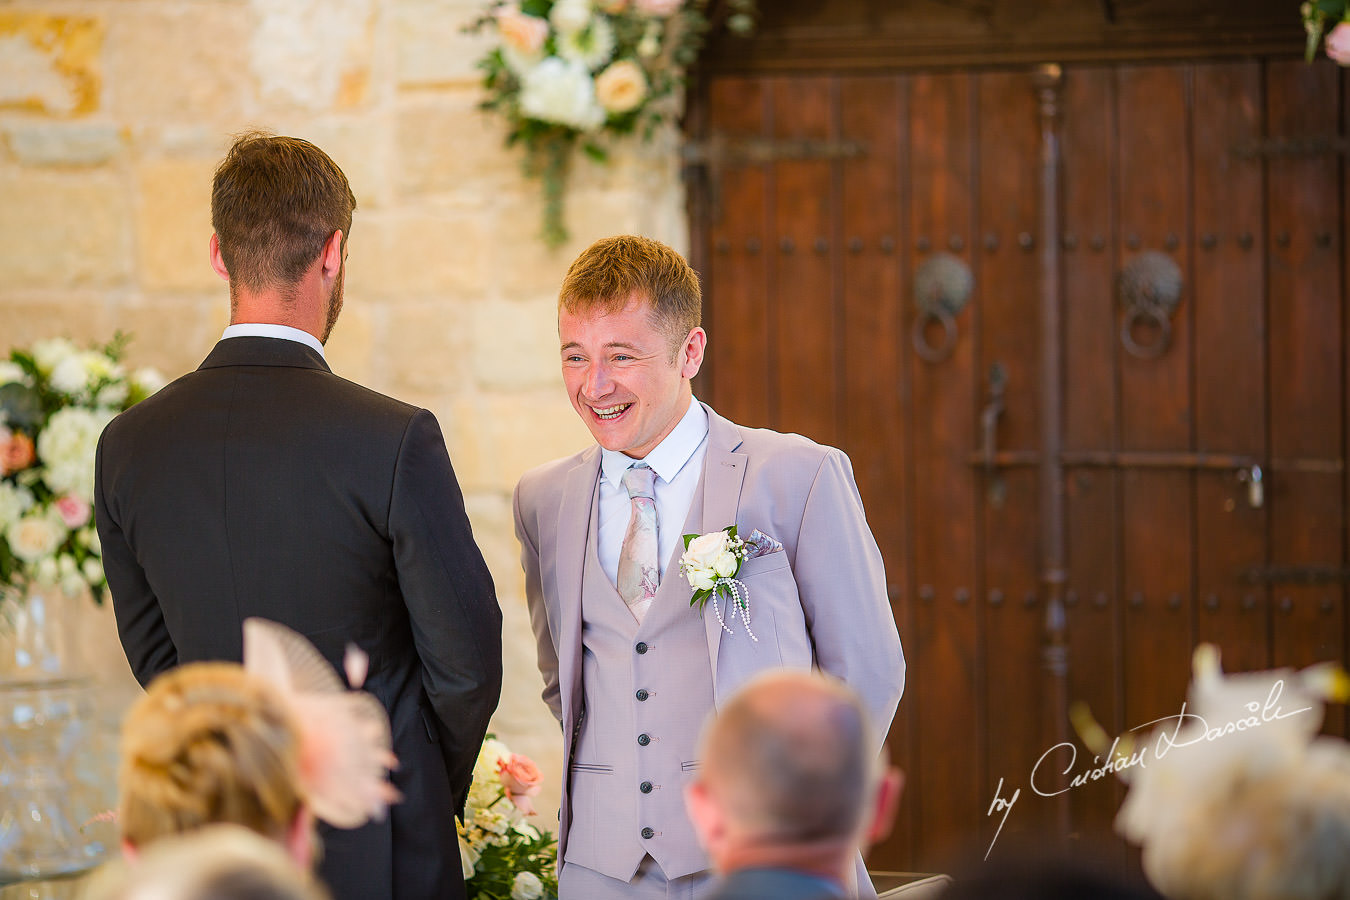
611 271
274 202
208 744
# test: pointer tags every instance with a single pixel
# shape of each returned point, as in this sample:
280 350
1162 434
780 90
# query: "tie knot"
639 480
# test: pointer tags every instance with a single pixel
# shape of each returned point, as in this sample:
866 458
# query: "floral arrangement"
567 72
55 400
503 855
1316 15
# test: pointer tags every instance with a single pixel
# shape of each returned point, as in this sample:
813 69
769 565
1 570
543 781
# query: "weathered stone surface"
179 63
429 347
432 47
24 319
315 54
350 350
49 63
497 437
173 225
515 345
59 230
65 145
421 253
446 144
171 334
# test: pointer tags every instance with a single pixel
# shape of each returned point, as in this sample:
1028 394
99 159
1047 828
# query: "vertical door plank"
1091 402
1230 362
873 411
946 677
1156 398
804 332
1307 402
736 283
1008 153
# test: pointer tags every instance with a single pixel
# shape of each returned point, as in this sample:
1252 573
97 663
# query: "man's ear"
691 354
331 259
218 261
885 805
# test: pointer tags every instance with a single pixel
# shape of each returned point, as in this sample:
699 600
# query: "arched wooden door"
1203 469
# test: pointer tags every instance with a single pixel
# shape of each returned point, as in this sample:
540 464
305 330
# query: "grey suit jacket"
821 601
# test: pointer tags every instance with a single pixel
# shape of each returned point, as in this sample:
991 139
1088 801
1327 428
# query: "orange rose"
520 779
16 453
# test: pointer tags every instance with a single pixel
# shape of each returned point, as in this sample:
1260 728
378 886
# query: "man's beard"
334 303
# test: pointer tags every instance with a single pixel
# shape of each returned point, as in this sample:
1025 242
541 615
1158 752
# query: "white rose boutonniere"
711 562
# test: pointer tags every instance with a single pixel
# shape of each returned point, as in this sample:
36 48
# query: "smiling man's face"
625 379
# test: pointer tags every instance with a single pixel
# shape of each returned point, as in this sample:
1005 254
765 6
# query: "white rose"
89 537
570 15
67 447
701 579
704 549
73 585
69 376
560 91
35 537
113 394
493 752
622 87
148 379
12 373
725 564
92 570
526 886
45 571
592 47
65 565
50 353
14 502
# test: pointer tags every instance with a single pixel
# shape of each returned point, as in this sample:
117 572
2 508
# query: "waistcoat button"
645 787
648 833
643 695
641 647
644 740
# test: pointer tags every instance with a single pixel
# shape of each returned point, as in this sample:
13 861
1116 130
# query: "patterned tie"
639 568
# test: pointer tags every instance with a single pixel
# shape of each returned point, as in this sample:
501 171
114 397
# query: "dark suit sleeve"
140 621
452 605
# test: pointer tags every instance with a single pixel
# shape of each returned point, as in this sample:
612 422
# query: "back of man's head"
789 760
275 201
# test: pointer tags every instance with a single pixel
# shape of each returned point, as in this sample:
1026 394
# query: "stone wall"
113 115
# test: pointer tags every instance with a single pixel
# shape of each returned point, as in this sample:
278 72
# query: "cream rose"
622 87
704 549
526 886
34 537
520 32
12 373
725 564
570 15
51 353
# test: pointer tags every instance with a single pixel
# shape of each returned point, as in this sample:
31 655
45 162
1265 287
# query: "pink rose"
74 511
660 8
520 779
521 32
1338 44
16 453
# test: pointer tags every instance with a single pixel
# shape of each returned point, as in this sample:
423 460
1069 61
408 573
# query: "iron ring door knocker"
1150 290
942 286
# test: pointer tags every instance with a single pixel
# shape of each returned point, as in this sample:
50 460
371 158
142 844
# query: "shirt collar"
267 329
669 456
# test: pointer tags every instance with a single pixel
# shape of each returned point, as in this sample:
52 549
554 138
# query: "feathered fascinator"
345 754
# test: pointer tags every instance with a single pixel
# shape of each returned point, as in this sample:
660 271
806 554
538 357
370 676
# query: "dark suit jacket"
263 485
773 884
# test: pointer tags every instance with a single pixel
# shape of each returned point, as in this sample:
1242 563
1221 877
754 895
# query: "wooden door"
1202 449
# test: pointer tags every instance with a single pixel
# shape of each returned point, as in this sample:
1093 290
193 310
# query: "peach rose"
1338 44
16 453
521 32
661 8
622 87
73 511
520 779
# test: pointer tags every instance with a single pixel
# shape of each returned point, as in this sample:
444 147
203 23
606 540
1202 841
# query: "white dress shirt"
678 463
267 329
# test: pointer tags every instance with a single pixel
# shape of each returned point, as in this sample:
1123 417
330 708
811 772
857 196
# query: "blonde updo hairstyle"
208 744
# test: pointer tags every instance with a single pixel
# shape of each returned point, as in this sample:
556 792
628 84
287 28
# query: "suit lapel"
574 522
723 474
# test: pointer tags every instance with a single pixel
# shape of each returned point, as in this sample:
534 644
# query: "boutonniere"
711 562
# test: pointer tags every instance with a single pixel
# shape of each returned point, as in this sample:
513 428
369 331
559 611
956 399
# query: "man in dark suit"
264 485
789 789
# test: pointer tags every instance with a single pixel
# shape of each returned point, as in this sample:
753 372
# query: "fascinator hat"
345 744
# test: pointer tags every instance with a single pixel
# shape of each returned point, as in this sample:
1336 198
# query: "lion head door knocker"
942 286
1150 290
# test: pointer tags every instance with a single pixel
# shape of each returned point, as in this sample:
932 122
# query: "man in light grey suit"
630 669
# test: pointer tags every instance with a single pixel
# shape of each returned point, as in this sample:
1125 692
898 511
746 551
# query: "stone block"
173 225
172 334
24 319
515 345
63 230
446 144
65 145
420 253
427 347
179 62
313 54
49 64
350 350
432 47
495 438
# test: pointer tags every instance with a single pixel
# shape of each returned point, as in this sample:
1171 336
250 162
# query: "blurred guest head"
208 744
790 779
219 862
